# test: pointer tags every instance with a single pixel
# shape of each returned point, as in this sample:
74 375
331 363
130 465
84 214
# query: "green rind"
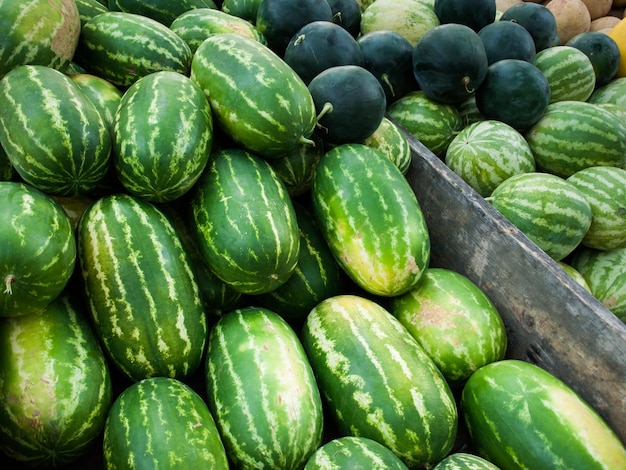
371 219
354 452
433 123
245 223
161 422
245 9
162 136
123 47
378 382
604 187
163 11
486 153
464 461
38 32
194 26
521 416
256 98
598 138
454 321
55 386
140 287
262 391
103 94
53 134
613 92
551 212
38 249
569 72
391 140
87 9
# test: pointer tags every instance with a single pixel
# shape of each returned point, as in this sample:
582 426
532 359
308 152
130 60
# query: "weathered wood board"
551 320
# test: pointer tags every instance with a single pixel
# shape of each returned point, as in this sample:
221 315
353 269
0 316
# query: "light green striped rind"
569 72
87 9
262 392
53 134
486 153
245 223
194 26
163 11
354 452
103 94
161 422
454 321
162 136
377 380
605 274
391 140
573 135
245 9
123 47
613 92
371 219
55 386
38 249
39 32
433 123
553 213
464 461
604 187
257 99
140 287
521 416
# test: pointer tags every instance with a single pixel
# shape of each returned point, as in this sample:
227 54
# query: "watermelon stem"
8 282
327 108
466 81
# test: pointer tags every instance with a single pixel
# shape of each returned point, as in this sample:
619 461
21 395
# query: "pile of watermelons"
210 256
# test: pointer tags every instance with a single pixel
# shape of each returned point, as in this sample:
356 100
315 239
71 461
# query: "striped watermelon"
604 187
245 9
195 25
103 94
162 136
371 219
262 392
521 416
562 147
454 321
377 380
245 223
486 153
354 452
142 294
431 122
569 72
87 9
163 11
37 249
549 210
613 92
464 461
55 386
256 98
570 271
393 142
122 47
409 18
605 274
38 32
161 422
53 134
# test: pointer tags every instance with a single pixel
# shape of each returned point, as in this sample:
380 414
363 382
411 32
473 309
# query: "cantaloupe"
572 17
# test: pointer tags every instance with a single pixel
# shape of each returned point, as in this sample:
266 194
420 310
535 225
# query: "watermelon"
140 287
431 122
605 274
521 416
87 9
262 391
377 381
613 92
507 40
569 72
163 11
538 20
103 94
354 452
347 14
549 210
245 9
38 32
37 252
245 223
455 322
54 136
389 139
603 52
162 136
464 461
55 385
257 99
562 149
122 47
476 14
371 219
575 274
161 422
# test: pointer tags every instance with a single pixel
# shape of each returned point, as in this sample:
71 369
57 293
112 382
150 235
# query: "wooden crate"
551 320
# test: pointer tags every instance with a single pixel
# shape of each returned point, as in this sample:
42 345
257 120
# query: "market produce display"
212 257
